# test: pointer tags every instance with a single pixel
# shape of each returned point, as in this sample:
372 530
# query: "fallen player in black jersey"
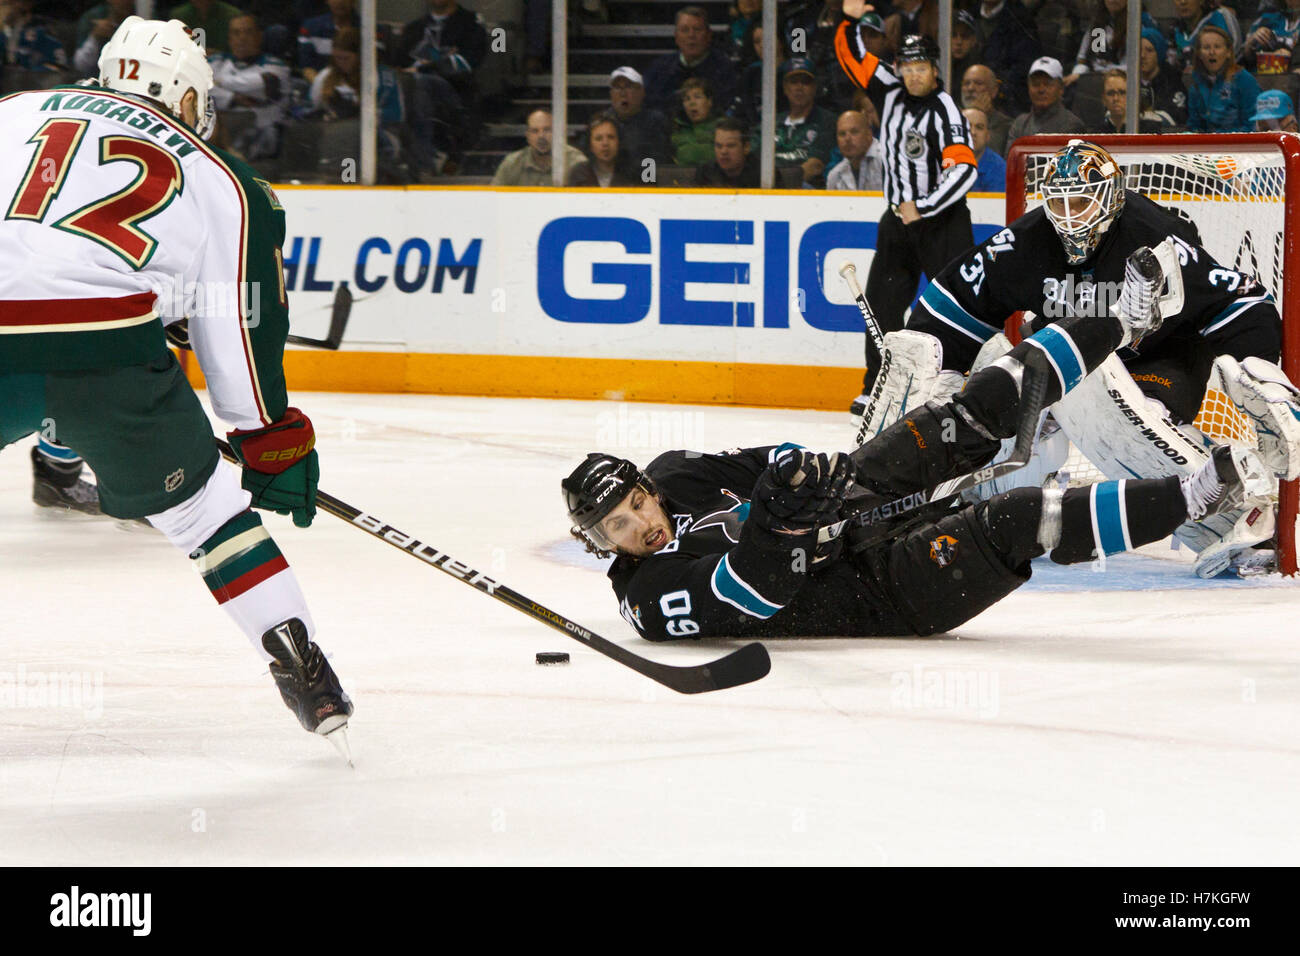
736 544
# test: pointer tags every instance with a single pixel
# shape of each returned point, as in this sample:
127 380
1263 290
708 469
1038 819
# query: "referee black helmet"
918 48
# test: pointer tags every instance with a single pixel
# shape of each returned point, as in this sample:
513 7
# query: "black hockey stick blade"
338 322
741 666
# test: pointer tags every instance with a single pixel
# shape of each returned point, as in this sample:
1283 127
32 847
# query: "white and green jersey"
119 220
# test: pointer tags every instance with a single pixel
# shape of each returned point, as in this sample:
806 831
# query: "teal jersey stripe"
1062 353
945 308
730 588
1109 523
1232 311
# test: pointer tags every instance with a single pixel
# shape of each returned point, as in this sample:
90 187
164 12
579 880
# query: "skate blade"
338 736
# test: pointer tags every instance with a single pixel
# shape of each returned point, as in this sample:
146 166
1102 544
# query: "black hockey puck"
552 657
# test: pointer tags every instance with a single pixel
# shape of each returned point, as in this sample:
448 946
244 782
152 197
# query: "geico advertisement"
652 275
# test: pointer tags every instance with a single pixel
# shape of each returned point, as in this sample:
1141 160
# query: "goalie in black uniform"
778 541
1067 258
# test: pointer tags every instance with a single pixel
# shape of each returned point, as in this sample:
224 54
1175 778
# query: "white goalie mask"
162 61
1084 194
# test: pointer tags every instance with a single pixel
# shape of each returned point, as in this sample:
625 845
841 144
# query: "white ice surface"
1120 726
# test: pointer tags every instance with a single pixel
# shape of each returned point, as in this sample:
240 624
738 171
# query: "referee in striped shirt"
929 167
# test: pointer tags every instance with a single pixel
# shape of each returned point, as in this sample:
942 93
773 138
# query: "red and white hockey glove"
281 468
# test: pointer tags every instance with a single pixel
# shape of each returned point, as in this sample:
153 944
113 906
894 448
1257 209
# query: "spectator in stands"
980 90
246 78
1105 39
693 125
695 56
992 168
316 37
1221 97
1272 39
805 134
809 32
643 132
335 92
747 105
875 36
443 50
1114 93
745 15
1047 113
912 16
531 166
965 42
93 30
1191 16
212 17
863 165
1009 42
27 42
1168 95
733 165
1275 111
862 103
605 165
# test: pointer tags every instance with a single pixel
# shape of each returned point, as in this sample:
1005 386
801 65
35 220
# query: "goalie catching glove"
281 469
801 490
1262 390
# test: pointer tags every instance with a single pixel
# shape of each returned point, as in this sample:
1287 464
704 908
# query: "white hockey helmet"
160 60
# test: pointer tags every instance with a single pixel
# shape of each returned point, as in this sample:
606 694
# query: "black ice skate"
308 684
61 487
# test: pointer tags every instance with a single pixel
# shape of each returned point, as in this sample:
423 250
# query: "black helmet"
917 47
594 489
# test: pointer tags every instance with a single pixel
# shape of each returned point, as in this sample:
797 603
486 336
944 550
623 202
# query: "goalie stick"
338 322
881 358
741 666
1033 394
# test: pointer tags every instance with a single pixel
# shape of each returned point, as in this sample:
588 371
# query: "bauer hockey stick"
741 666
881 358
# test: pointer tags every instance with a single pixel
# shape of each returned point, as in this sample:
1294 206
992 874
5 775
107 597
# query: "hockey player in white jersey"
120 220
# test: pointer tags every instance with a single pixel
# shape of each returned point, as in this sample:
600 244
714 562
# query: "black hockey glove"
801 490
178 335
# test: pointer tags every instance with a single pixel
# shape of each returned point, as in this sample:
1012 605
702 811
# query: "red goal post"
1243 192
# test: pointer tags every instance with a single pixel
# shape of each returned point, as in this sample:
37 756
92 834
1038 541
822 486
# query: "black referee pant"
904 254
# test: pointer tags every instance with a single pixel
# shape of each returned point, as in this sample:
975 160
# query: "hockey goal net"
1235 188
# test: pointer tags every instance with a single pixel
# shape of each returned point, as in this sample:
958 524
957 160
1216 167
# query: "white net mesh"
1236 198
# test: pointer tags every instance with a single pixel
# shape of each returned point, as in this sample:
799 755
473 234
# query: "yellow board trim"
529 376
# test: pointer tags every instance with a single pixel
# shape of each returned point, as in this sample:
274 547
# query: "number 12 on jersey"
112 221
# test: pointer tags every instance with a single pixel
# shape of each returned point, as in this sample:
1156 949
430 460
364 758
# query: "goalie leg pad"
909 376
1264 393
1248 526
